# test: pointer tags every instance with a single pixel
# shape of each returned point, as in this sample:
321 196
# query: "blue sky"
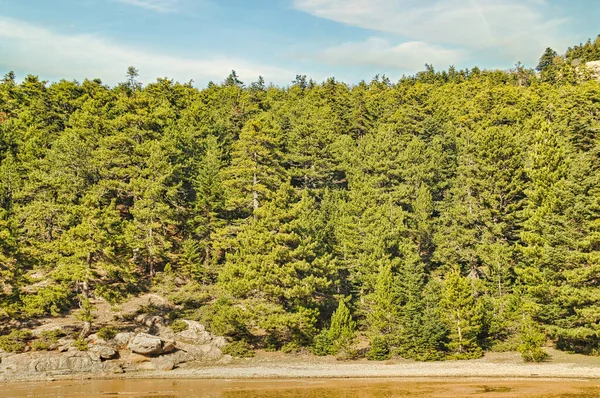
349 39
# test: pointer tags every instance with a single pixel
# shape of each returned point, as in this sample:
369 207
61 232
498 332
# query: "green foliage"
340 335
379 350
179 326
107 333
462 314
223 318
322 346
291 348
532 341
15 341
239 349
81 344
51 300
47 340
444 205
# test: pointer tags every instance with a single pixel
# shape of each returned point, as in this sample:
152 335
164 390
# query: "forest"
440 216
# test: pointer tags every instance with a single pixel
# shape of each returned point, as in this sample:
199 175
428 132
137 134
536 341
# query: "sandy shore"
280 366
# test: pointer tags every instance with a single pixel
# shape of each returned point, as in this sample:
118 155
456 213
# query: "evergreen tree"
462 315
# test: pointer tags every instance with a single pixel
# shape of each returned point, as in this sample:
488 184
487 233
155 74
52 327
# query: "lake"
308 388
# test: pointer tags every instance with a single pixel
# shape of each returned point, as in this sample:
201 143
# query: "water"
337 388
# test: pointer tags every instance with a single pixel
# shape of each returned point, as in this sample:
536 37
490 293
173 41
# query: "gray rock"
122 339
178 357
105 352
149 320
205 352
594 68
115 368
79 361
219 341
147 344
64 344
226 359
162 363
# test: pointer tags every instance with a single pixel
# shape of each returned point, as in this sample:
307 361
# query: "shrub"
379 350
81 345
179 326
532 341
225 319
291 347
240 349
40 345
48 300
47 339
107 333
16 341
339 336
322 345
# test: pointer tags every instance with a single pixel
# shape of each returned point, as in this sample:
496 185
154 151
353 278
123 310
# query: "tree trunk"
85 331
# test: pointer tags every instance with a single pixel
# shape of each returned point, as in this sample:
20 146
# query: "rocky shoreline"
77 366
140 350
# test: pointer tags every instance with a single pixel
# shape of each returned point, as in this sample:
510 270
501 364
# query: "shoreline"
271 366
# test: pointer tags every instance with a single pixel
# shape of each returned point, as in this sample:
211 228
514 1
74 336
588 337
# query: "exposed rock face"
594 67
79 361
104 352
147 344
194 334
125 352
205 352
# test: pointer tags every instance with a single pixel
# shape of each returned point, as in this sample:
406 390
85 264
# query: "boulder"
226 359
205 352
115 368
594 67
149 320
122 339
147 344
105 352
64 344
178 357
162 363
194 334
219 341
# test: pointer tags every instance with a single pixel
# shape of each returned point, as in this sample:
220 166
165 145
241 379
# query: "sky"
352 40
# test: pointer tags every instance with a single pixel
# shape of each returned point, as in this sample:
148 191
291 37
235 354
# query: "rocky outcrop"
147 344
124 353
76 362
594 68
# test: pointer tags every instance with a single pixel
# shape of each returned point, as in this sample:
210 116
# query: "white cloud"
153 5
379 52
33 49
513 28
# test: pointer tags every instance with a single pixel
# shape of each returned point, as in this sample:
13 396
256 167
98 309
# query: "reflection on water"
350 388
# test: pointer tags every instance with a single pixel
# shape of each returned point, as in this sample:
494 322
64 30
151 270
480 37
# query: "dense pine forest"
435 217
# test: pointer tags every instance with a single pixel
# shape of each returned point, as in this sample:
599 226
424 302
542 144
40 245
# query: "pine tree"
276 267
462 315
254 174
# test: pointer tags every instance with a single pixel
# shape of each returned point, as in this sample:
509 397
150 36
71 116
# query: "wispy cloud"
381 53
34 49
162 6
515 28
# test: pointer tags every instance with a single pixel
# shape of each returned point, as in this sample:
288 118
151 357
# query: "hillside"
438 217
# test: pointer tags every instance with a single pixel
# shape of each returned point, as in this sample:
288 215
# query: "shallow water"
337 388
